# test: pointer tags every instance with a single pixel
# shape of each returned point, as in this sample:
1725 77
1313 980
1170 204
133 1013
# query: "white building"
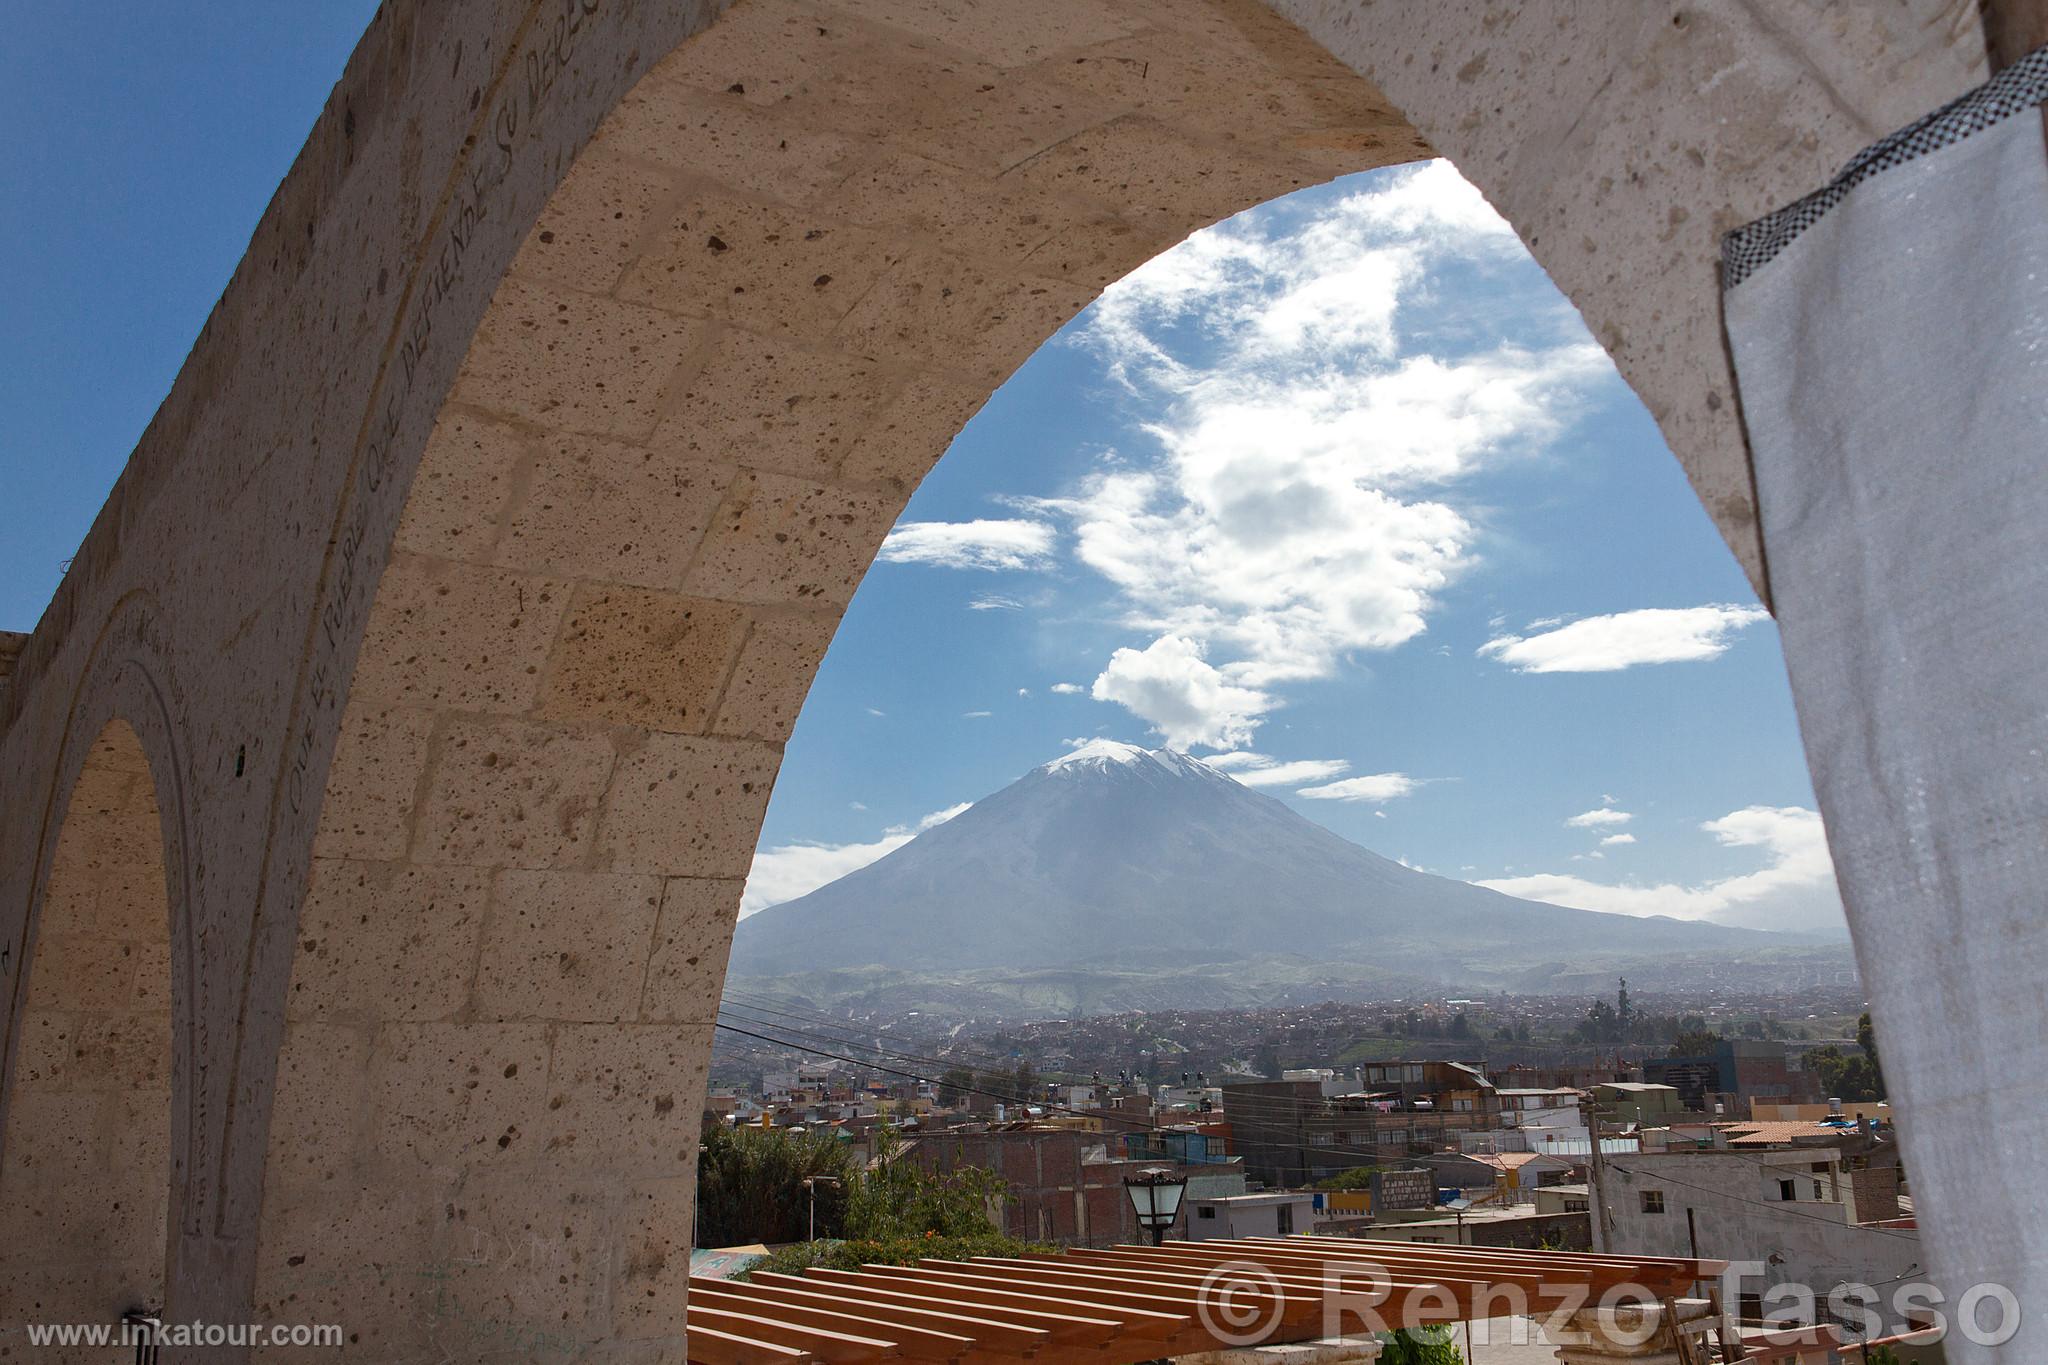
1189 1097
1321 1075
1782 1216
1279 1214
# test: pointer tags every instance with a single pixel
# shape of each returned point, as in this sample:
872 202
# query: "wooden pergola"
1136 1303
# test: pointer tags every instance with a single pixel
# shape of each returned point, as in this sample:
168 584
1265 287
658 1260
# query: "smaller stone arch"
85 1158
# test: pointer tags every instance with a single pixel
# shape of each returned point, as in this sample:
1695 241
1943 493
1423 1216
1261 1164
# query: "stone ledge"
1327 1351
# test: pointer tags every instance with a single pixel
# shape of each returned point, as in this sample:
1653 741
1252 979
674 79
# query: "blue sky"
1341 495
146 141
1342 485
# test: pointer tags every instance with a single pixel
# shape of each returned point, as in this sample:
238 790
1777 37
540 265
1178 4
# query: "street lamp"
1155 1196
811 1183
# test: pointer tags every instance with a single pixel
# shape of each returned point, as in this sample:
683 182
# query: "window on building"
1787 1191
1818 1192
1819 1168
1206 1211
1286 1219
1653 1201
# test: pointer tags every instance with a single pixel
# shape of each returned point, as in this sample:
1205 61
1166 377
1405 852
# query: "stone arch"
445 731
86 1185
788 267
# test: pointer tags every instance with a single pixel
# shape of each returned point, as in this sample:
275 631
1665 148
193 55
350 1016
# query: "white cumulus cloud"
1373 787
1613 839
1068 689
1304 499
1795 889
790 870
1598 818
1169 685
1603 644
989 544
1262 770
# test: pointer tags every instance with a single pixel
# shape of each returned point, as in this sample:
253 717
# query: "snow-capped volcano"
1104 755
1119 857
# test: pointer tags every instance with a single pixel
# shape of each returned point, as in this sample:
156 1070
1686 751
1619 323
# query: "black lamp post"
1155 1195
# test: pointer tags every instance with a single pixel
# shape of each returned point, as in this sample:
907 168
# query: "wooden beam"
1126 1304
1134 1319
1005 1333
709 1346
1061 1329
916 1343
835 1348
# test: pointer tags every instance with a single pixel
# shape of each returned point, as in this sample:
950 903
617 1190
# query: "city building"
1065 1185
1276 1214
1291 1133
1788 1209
1735 1072
1640 1103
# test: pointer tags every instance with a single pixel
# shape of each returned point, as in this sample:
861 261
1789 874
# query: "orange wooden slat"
1700 1268
709 1346
1130 1303
1136 1319
1400 1257
1060 1329
1067 1323
1402 1295
917 1343
1003 1333
1310 1282
835 1348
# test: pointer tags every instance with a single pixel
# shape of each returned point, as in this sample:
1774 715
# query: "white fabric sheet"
1891 341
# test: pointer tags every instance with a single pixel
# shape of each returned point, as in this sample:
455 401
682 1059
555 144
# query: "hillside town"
1728 1149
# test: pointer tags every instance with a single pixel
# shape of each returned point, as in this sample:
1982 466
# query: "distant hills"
1118 878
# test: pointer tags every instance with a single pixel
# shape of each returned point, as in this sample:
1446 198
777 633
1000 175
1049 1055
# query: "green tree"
894 1199
1866 1038
1694 1042
991 1088
750 1185
1420 1346
1460 1026
954 1083
1357 1178
1845 1076
1026 1085
1602 1025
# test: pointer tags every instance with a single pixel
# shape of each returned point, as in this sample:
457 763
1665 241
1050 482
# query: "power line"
1269 1109
988 1062
1099 1115
1268 1125
1267 1116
